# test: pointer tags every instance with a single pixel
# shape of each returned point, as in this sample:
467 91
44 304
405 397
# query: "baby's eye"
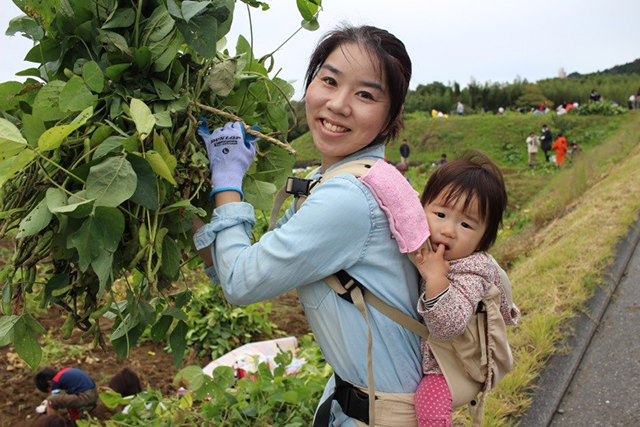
439 214
465 225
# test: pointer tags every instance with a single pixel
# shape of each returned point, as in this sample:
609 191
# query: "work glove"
231 152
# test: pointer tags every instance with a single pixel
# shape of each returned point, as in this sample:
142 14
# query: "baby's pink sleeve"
400 203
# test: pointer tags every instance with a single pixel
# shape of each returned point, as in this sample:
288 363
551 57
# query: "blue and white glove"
231 152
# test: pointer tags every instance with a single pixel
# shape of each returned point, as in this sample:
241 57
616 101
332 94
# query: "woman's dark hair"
392 57
126 382
43 378
50 421
471 176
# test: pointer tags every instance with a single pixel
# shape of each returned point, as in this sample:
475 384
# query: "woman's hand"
433 268
231 152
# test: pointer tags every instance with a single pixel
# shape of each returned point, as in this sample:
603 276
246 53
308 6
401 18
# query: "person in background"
546 139
632 101
69 388
638 98
51 421
575 149
561 149
405 150
594 96
126 382
403 168
460 108
532 148
442 160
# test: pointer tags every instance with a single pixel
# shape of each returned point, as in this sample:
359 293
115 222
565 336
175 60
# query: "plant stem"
137 24
60 167
248 129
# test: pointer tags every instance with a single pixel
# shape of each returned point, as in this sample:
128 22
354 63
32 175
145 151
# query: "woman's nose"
339 102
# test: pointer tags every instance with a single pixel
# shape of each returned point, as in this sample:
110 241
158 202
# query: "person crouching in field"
69 388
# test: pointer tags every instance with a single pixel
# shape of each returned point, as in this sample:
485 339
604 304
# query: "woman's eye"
365 95
329 80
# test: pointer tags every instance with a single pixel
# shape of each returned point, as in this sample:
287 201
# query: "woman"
356 84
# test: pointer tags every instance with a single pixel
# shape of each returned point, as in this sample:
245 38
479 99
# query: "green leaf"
175 313
26 343
163 90
146 193
111 399
222 77
142 58
76 209
52 138
163 119
76 96
307 9
33 324
114 42
193 376
11 166
11 141
27 26
160 328
53 285
114 72
93 76
111 182
159 166
258 193
113 143
171 258
55 198
161 147
46 105
311 25
125 326
178 342
8 92
33 127
48 50
121 19
35 221
275 167
100 231
142 117
102 267
6 326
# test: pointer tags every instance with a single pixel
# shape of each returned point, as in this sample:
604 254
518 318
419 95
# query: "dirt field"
152 364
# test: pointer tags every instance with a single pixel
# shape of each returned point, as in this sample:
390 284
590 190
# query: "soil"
153 365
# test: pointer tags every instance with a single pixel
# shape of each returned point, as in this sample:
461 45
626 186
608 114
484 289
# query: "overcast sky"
448 40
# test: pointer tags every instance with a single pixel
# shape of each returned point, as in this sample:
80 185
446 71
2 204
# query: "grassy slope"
560 233
567 241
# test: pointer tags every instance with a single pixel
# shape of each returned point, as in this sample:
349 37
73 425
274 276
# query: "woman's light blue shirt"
339 227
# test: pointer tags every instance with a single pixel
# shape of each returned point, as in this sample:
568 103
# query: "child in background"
69 388
464 201
561 147
126 382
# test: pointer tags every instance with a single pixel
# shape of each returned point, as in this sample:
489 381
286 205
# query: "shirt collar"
374 152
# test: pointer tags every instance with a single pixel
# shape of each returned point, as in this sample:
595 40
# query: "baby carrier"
471 363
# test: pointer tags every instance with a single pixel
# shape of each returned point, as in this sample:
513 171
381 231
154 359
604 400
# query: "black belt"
354 403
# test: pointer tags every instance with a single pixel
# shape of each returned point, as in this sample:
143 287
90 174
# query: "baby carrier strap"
353 401
301 188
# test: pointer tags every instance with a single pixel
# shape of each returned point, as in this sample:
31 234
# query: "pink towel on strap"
400 203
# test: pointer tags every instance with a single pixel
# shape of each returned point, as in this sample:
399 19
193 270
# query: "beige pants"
393 410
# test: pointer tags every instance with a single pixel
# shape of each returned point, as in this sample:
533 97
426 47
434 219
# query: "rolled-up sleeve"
328 234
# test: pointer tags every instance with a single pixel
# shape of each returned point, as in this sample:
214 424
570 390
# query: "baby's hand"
431 265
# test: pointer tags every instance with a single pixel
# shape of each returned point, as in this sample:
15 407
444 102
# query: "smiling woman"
356 83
